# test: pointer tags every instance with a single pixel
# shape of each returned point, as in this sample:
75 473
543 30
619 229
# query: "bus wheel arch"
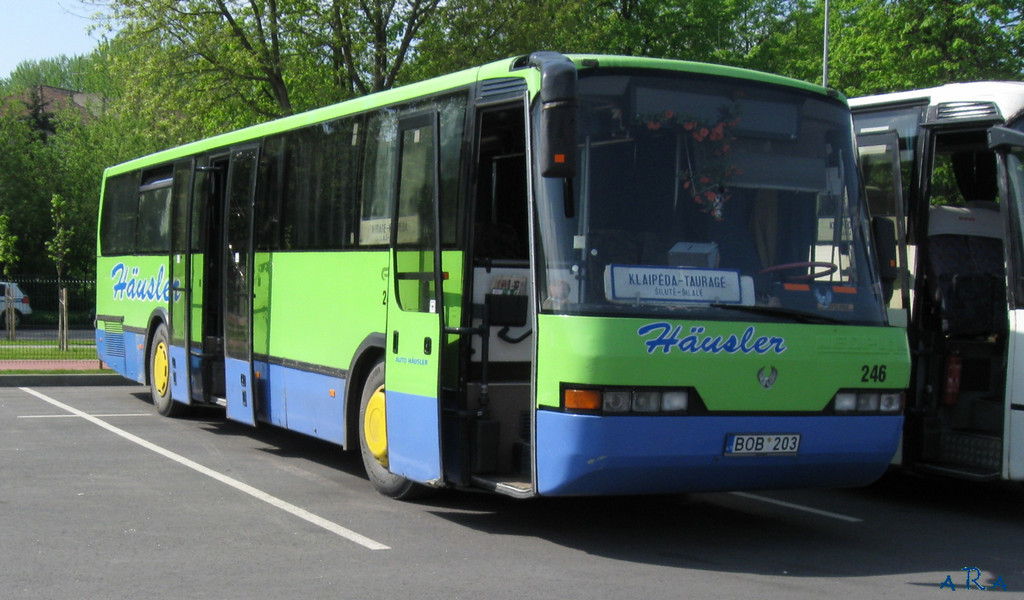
372 434
158 368
157 320
370 352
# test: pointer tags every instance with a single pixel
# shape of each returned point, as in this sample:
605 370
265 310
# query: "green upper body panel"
721 360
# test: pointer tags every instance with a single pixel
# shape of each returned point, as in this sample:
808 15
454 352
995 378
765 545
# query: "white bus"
946 164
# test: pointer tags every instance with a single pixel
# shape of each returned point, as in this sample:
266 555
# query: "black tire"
383 480
3 319
160 376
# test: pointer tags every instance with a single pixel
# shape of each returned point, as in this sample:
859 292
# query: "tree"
246 62
469 32
72 73
26 182
889 45
8 258
58 249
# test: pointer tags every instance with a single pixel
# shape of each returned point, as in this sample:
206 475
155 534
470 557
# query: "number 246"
872 373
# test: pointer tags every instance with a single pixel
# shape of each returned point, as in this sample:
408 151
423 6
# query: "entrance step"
508 485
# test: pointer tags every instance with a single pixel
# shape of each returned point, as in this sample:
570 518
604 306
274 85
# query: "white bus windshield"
708 196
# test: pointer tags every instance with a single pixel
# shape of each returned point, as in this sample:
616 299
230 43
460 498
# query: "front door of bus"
1009 145
413 366
237 285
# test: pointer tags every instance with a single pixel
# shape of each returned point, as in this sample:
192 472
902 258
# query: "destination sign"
636 283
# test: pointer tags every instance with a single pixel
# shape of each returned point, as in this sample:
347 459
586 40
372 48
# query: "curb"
63 379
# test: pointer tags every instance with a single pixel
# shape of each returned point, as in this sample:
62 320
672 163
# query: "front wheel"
160 375
373 440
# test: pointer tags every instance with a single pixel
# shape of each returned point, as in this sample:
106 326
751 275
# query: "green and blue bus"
550 275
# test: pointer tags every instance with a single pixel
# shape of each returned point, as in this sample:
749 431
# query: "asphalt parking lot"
102 498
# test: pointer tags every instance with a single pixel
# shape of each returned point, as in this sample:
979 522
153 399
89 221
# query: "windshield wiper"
778 311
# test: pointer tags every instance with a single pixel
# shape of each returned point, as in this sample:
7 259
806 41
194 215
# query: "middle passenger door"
238 285
415 310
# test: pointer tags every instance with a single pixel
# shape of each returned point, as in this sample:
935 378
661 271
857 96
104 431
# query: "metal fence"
33 343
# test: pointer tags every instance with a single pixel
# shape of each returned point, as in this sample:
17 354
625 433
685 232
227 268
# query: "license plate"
748 444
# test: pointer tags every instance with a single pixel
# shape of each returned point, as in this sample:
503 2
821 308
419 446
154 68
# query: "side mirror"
883 230
559 101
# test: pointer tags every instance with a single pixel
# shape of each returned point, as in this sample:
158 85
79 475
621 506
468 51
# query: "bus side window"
380 156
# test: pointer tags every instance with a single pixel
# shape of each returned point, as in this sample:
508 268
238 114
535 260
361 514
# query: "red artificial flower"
716 133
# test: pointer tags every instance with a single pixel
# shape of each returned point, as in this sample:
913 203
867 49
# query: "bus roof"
996 100
502 68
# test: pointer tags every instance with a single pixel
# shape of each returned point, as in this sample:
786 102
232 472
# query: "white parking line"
79 417
808 509
301 513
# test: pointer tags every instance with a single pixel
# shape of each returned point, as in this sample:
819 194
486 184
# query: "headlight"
625 401
616 401
646 401
846 401
675 401
890 401
867 401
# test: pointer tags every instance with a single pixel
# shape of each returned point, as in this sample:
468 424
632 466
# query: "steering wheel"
828 269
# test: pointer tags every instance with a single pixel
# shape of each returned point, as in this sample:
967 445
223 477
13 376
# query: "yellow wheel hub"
161 370
375 427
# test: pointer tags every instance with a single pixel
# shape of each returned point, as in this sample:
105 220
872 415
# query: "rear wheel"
160 375
373 440
16 317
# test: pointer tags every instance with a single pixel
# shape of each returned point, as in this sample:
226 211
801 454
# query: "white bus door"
1009 146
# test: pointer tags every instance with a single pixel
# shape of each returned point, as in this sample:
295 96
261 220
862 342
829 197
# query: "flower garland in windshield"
708 145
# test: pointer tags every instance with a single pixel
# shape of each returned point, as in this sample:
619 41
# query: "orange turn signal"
583 399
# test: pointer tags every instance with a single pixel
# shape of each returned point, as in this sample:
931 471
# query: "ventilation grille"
113 339
967 110
507 86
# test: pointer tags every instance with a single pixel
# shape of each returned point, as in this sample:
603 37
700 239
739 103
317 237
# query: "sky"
38 29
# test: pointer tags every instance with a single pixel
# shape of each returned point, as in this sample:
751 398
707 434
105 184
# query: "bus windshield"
707 197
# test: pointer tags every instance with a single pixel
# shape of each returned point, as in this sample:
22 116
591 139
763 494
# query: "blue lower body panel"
238 378
179 374
414 446
124 352
592 455
309 403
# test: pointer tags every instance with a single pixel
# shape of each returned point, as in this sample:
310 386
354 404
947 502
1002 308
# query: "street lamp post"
824 58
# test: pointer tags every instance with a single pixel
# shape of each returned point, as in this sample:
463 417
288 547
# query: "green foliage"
26 169
58 248
889 45
8 253
170 71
